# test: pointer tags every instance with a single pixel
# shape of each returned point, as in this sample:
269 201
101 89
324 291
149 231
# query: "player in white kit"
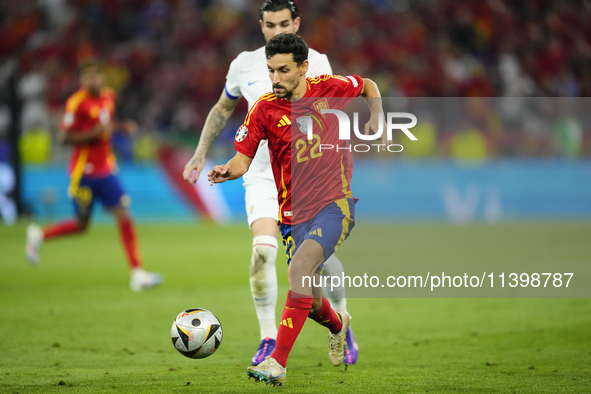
248 77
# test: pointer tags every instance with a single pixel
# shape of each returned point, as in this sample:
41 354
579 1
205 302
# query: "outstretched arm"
233 169
214 125
72 137
373 98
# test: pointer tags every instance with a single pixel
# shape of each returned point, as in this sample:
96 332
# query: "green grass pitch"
71 325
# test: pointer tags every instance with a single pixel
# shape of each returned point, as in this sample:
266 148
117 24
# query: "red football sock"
327 317
61 228
293 318
129 240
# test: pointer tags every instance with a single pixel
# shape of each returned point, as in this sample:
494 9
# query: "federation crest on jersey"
304 122
241 133
321 104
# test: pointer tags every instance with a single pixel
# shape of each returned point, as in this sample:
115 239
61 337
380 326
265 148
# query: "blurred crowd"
168 59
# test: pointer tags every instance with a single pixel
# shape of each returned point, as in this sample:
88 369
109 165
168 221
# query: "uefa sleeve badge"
241 133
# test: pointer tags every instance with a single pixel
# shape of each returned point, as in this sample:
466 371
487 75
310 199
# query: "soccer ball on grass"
196 333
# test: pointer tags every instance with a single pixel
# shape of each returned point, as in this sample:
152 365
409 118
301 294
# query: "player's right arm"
246 143
214 125
233 169
216 120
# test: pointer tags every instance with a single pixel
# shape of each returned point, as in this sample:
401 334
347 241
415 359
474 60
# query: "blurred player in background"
248 77
87 125
314 229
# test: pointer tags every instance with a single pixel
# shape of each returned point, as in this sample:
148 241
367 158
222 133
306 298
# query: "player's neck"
300 91
93 92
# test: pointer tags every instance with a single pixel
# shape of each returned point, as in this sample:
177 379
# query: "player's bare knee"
120 213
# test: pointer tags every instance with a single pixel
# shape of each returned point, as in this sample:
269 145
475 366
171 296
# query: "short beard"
286 95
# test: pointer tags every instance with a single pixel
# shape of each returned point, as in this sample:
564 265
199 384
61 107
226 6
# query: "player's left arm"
373 98
233 169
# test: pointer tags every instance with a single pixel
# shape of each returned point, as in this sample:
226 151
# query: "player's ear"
261 22
304 66
296 24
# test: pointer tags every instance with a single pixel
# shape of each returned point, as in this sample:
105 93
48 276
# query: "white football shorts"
260 192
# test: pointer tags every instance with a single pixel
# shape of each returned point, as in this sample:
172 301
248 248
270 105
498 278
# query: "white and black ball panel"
196 333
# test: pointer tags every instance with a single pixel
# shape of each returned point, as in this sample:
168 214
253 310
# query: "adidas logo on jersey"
284 121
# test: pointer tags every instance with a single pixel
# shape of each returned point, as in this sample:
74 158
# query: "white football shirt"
248 77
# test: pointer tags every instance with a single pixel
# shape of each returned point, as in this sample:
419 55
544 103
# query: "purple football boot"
266 348
352 348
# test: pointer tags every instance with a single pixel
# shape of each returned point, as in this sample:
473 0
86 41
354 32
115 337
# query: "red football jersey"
308 178
83 112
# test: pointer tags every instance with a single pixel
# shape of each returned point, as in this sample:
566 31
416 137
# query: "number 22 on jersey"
303 145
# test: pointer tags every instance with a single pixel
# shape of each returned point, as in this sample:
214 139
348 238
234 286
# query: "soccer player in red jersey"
87 125
316 207
247 77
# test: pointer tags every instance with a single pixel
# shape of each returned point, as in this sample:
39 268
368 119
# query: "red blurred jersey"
83 112
307 178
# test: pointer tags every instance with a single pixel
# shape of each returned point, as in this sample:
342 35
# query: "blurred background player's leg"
116 201
140 279
36 235
338 300
83 202
110 192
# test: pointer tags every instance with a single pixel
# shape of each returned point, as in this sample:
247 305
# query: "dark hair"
278 5
288 43
88 63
